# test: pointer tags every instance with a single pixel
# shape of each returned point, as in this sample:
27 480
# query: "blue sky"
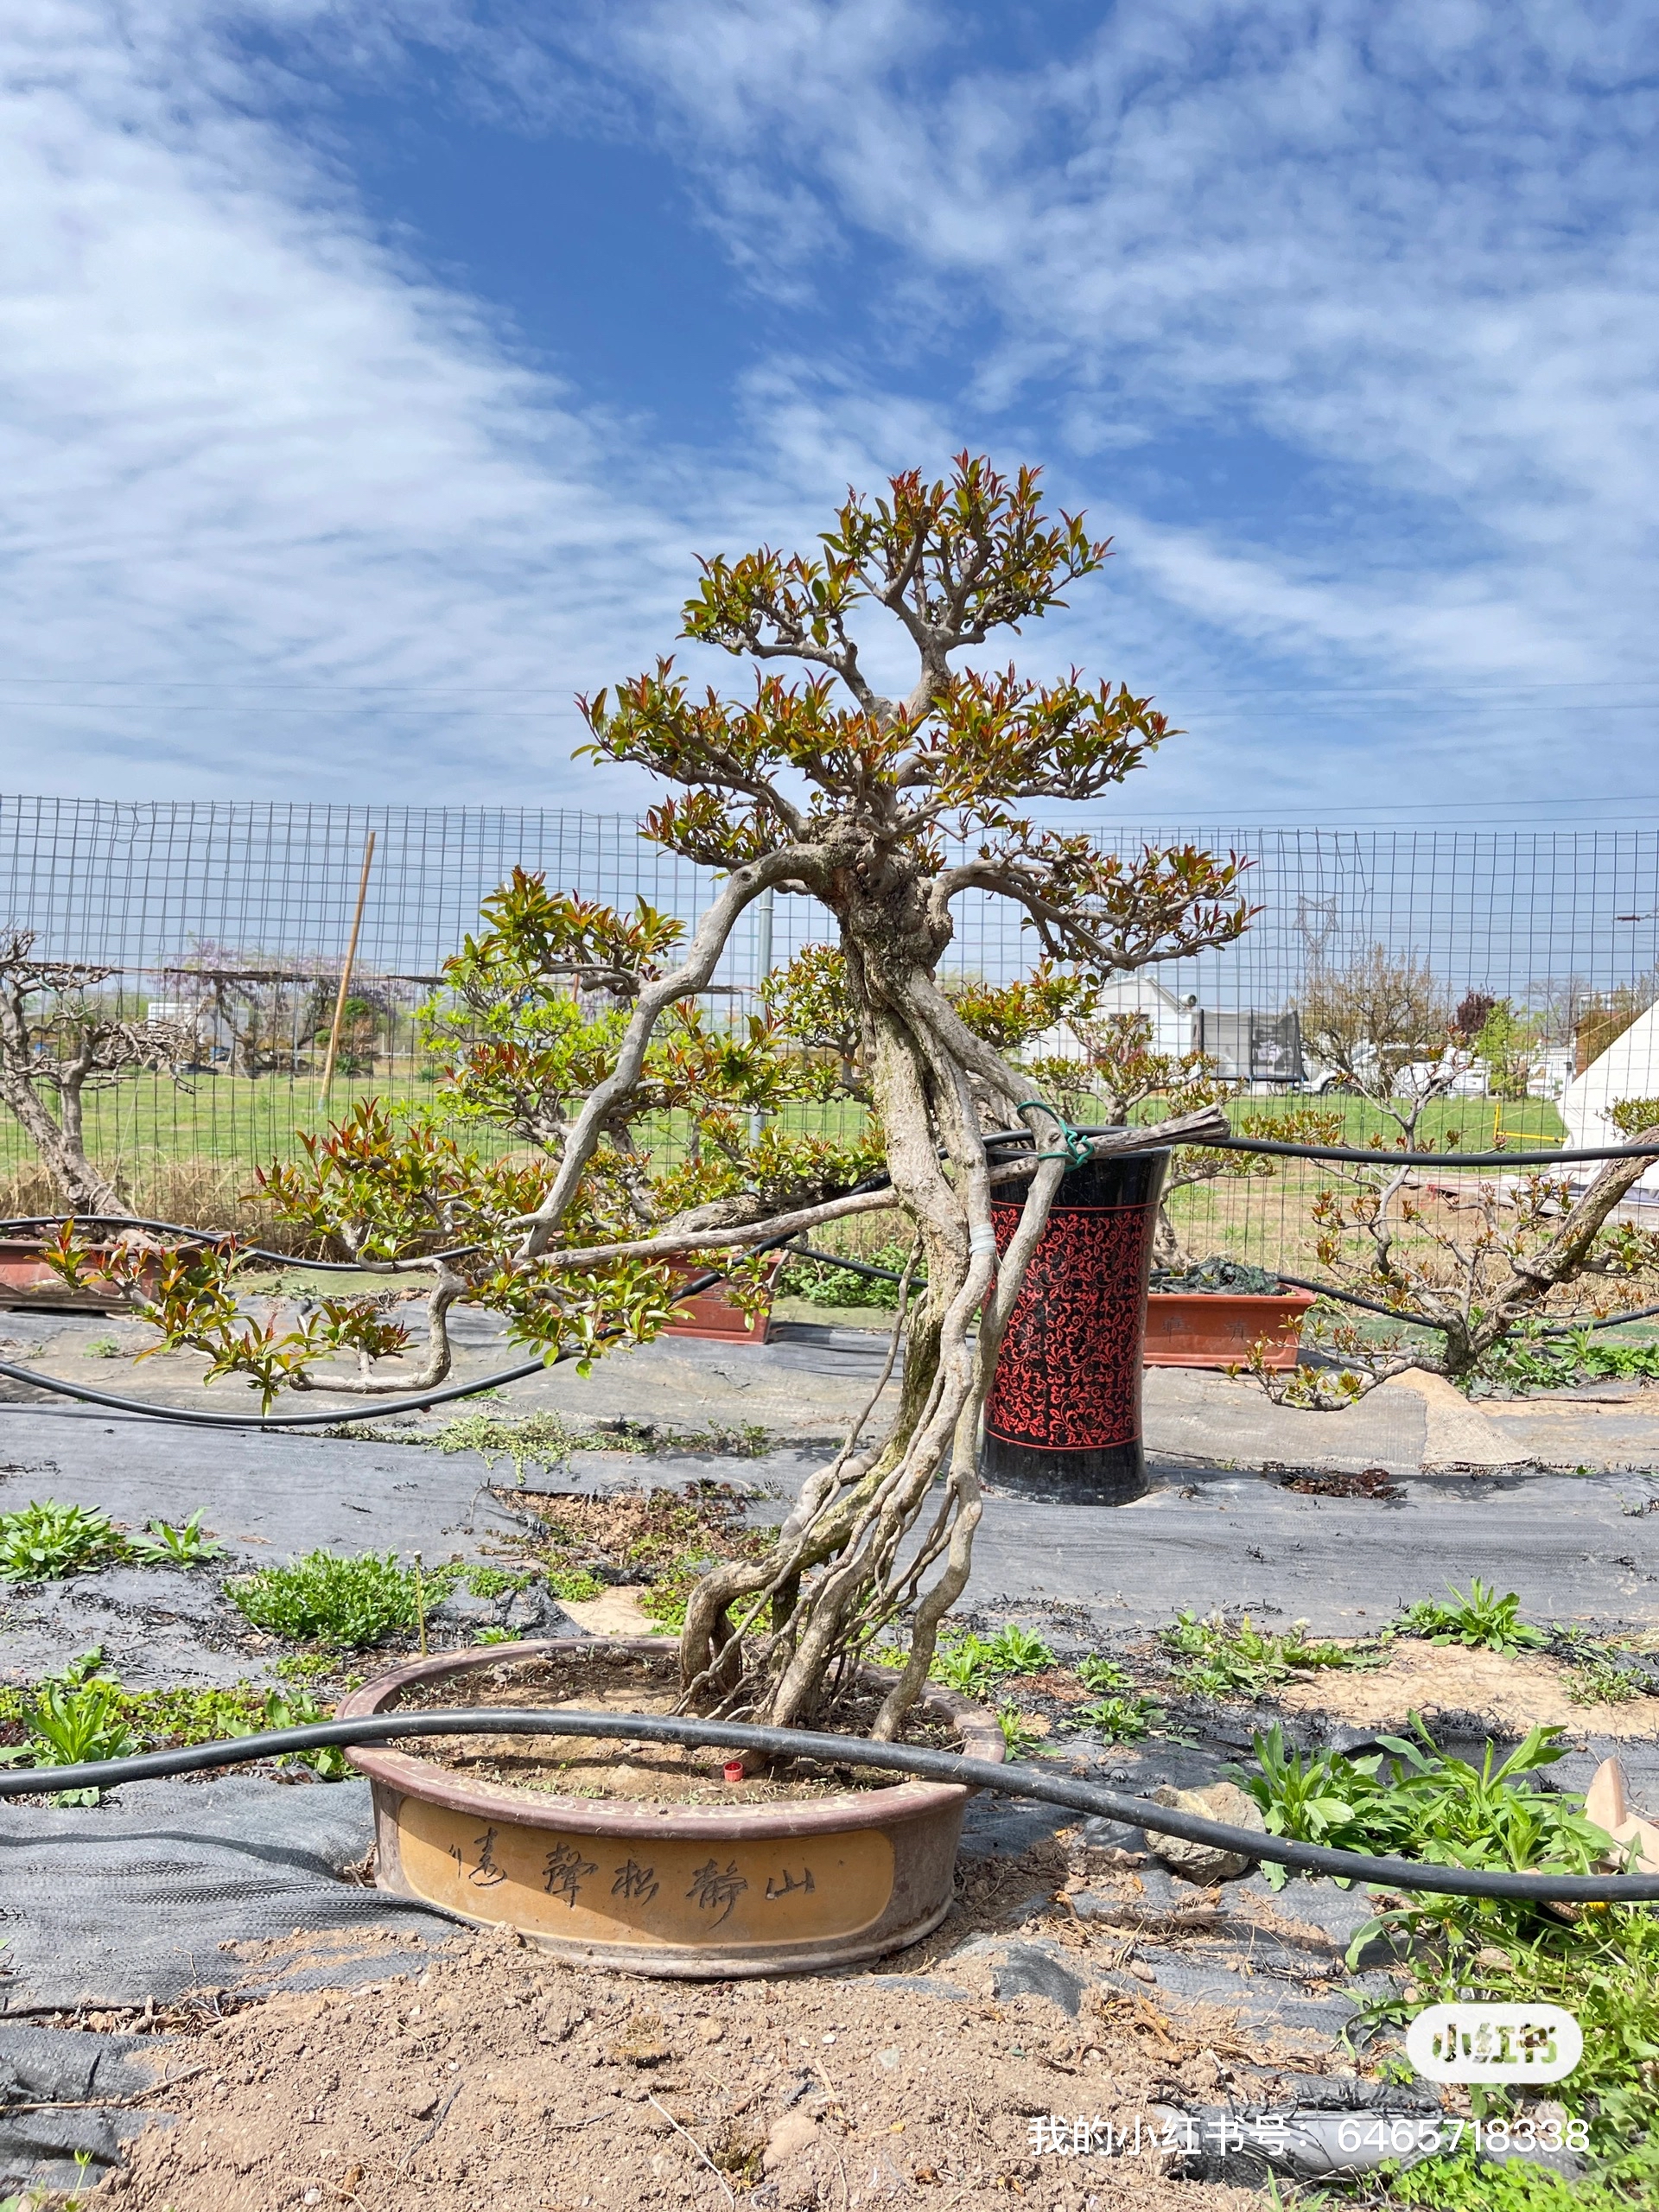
370 374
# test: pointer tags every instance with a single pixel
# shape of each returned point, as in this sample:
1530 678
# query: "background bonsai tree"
1520 1250
1382 1025
60 1039
883 811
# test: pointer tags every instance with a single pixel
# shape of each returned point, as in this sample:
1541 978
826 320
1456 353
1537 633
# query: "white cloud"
240 439
1408 249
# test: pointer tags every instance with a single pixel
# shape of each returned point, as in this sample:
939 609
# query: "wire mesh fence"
237 917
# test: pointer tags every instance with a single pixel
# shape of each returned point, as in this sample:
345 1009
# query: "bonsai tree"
58 1040
884 811
1531 1249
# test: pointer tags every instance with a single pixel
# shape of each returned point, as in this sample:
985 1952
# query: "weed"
1463 2182
165 1546
574 1585
1016 1650
1120 1720
973 1664
1213 1660
43 1541
103 1348
1412 1800
495 1581
495 1636
1018 1736
81 1712
1483 1620
1601 1680
1556 1362
328 1598
826 1285
536 1440
1102 1674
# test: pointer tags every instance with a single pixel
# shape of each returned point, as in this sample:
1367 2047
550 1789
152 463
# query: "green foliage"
1631 1115
1604 1968
1016 1650
827 1285
1555 1362
1019 1738
495 1636
1599 1679
83 1712
972 1665
540 1439
104 1348
1412 1801
43 1540
1214 1660
165 1546
329 1597
1461 2182
495 1581
575 1585
1121 1719
1507 1045
1482 1620
1098 1673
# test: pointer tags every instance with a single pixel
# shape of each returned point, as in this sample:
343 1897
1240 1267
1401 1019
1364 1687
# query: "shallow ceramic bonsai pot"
671 1890
1217 1328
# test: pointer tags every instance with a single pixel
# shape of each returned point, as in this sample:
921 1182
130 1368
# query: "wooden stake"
345 972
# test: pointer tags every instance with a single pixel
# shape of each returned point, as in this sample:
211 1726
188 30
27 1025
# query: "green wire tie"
1075 1146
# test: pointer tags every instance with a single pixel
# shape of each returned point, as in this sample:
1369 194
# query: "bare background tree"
59 1039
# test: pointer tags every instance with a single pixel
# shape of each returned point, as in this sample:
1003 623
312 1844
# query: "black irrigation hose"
225 1237
851 1751
373 1409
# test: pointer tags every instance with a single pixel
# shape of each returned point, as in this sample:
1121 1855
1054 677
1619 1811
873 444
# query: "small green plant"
828 1285
104 1348
1215 1660
1102 1674
1600 1680
1016 1650
1411 1800
164 1546
43 1540
1461 2182
329 1597
973 1664
575 1585
1019 1736
76 1717
285 1709
495 1636
1120 1720
84 1712
1553 1362
496 1581
1482 1620
540 1439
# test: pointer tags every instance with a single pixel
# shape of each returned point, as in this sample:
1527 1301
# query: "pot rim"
903 1800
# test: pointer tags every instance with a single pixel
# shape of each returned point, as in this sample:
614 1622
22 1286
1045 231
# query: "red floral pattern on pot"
1068 1375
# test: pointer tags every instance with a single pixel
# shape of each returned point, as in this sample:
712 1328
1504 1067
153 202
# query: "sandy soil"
499 2079
1511 1694
618 1766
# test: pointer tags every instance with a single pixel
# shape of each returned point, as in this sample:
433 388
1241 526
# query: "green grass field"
188 1152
